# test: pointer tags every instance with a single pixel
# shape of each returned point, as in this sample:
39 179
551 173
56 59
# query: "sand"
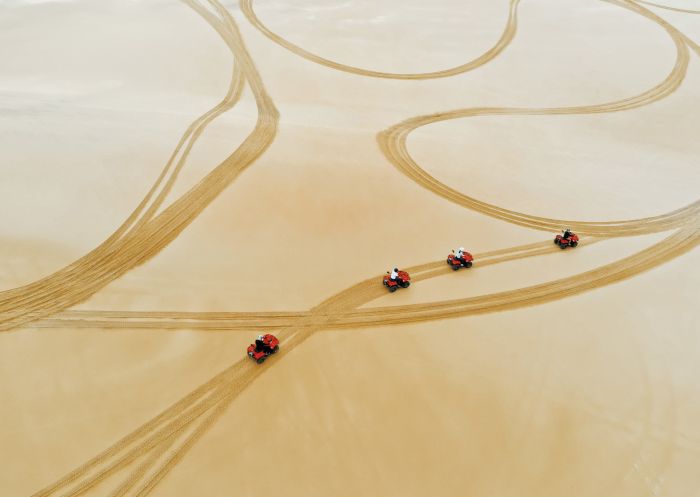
347 138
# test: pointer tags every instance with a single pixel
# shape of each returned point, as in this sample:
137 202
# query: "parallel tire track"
158 445
392 143
80 280
668 7
177 214
228 321
341 311
505 39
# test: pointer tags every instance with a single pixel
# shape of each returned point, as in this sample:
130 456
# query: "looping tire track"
505 39
392 143
201 408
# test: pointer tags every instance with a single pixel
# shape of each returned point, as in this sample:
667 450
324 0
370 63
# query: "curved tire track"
667 7
340 311
505 39
200 409
78 281
392 143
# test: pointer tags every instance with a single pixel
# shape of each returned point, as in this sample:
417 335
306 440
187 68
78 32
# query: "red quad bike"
403 280
568 239
264 346
465 261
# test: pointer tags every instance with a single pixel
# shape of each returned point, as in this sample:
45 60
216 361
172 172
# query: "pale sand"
593 394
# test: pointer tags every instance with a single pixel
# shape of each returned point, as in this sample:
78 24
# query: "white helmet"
260 337
461 249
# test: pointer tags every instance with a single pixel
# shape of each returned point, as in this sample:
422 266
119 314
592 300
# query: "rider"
394 274
260 343
566 233
460 254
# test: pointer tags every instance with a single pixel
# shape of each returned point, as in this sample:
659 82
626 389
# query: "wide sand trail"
653 431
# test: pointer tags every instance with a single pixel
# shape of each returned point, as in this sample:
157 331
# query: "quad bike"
455 263
403 280
567 239
264 346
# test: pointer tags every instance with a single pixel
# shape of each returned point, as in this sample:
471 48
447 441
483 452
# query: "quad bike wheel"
556 241
276 349
392 289
405 284
468 264
573 244
562 246
261 360
454 268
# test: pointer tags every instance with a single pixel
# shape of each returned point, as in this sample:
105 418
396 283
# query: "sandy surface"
346 138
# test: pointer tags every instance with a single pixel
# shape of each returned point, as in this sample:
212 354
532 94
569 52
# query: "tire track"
505 39
666 7
673 246
368 290
325 313
193 131
140 472
330 314
233 95
80 280
189 408
171 320
199 410
189 137
216 394
254 145
694 46
392 143
228 321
